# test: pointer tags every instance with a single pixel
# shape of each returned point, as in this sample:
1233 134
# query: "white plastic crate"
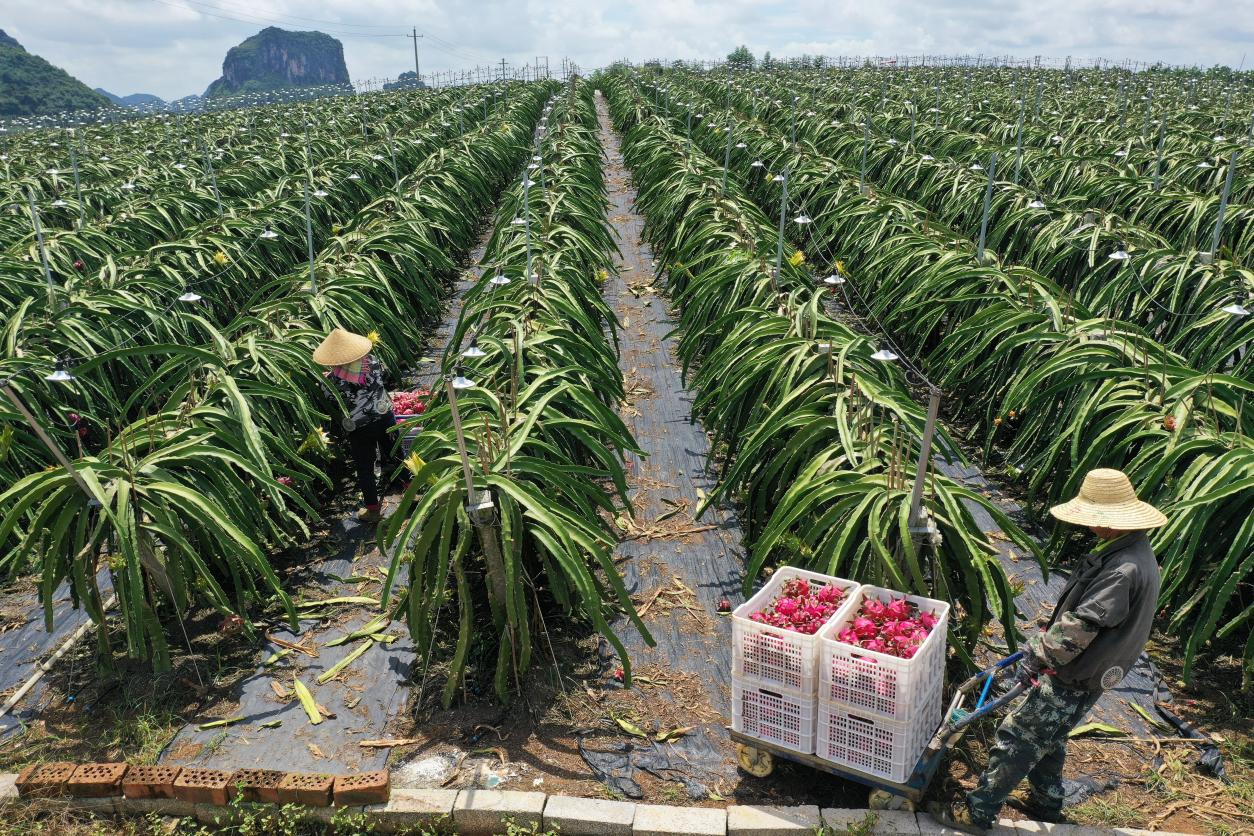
873 745
782 717
773 656
880 684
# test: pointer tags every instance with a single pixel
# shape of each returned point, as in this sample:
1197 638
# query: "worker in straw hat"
368 419
1097 630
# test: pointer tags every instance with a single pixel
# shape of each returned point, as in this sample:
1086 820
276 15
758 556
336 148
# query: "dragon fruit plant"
897 628
801 607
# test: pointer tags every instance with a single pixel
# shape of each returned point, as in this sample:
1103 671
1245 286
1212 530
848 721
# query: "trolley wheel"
757 762
885 800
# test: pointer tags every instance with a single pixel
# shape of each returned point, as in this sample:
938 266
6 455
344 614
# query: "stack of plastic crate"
775 671
876 711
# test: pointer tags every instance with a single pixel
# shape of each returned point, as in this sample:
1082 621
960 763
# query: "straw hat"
341 348
1107 500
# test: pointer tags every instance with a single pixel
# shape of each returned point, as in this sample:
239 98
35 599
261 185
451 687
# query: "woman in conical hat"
1096 632
368 419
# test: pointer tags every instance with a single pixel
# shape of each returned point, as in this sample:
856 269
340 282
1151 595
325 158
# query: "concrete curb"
484 811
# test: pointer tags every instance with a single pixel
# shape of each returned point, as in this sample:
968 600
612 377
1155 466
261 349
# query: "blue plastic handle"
991 674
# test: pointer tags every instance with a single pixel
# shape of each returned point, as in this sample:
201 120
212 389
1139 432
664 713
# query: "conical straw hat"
341 348
1107 500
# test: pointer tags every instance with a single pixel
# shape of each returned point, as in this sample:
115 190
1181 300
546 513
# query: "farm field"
679 326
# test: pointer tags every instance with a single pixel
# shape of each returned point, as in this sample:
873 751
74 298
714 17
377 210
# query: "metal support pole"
78 186
866 141
988 200
1019 146
925 455
1223 206
213 178
313 279
1158 158
527 227
54 301
480 510
396 174
783 212
726 154
1149 109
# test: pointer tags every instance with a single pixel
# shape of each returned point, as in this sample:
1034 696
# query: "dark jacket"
368 403
1104 616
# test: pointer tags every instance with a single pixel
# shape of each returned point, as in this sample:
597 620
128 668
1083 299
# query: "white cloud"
175 47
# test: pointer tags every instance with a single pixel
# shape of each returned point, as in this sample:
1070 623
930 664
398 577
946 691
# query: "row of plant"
1072 245
1054 386
818 438
543 439
184 497
344 172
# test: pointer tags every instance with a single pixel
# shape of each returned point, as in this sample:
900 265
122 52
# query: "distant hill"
145 100
276 58
30 86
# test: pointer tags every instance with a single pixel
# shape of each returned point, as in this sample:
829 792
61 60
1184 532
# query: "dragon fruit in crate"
801 606
897 628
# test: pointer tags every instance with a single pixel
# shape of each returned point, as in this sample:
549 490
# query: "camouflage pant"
1031 743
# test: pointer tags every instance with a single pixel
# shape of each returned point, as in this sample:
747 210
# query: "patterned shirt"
368 401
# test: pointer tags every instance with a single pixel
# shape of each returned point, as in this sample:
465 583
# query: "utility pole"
417 73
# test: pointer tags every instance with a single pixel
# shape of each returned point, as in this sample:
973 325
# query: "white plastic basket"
782 717
873 745
773 656
880 684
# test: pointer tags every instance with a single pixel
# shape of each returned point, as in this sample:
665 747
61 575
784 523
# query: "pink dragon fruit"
898 609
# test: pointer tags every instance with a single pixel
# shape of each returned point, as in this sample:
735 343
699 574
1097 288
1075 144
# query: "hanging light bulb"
354 176
741 145
461 382
533 166
757 164
1121 153
1036 203
834 279
802 219
59 202
319 193
1120 254
376 157
976 167
927 157
269 234
474 351
1205 164
517 222
1236 309
190 296
128 187
884 355
499 279
54 172
61 375
778 178
180 166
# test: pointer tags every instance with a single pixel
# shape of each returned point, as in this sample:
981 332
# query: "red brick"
44 780
257 785
312 790
148 781
203 786
97 780
363 788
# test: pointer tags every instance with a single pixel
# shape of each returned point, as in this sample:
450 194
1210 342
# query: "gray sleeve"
1107 602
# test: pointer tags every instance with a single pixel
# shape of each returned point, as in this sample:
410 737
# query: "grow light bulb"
1119 255
741 145
1205 164
59 202
528 183
834 279
778 178
1121 153
319 193
461 382
892 141
927 157
180 166
60 375
1036 203
190 296
499 279
354 176
128 187
474 351
976 167
517 222
1217 138
376 157
1236 309
533 166
884 355
756 164
802 219
536 158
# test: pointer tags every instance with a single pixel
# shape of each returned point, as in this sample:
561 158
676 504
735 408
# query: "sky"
173 48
